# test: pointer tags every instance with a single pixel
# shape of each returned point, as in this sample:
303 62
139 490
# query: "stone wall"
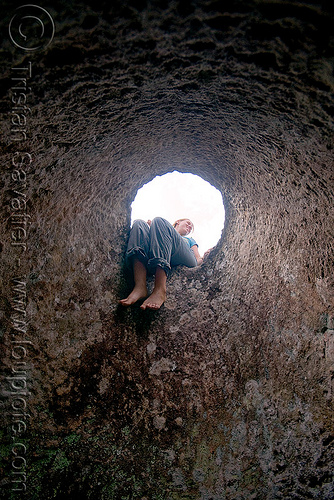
227 391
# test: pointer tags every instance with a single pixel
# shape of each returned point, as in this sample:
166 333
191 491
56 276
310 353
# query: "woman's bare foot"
155 300
137 293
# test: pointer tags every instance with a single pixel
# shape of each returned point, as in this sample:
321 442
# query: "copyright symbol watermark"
31 28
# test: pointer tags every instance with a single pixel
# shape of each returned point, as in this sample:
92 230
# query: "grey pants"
159 245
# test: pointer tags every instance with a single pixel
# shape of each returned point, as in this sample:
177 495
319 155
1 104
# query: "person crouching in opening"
156 246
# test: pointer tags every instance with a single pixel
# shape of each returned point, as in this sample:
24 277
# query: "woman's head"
183 226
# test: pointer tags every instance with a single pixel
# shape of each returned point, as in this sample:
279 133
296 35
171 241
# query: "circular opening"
177 195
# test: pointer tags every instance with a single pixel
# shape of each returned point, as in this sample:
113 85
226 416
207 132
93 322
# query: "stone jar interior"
226 392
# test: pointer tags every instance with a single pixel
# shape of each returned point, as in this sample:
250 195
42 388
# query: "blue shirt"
191 242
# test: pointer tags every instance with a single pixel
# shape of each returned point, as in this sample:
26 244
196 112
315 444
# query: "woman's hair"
180 220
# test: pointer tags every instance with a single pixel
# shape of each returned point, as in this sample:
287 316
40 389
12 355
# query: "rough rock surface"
227 391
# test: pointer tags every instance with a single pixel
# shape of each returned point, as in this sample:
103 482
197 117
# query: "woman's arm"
197 255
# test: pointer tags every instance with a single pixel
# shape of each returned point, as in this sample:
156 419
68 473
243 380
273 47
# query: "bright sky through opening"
176 196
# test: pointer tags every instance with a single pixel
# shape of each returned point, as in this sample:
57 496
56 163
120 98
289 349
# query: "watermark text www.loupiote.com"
31 29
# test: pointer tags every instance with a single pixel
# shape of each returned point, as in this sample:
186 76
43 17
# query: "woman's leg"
136 257
163 241
140 289
139 242
158 296
183 256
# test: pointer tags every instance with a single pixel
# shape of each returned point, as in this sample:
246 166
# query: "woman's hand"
206 254
149 222
197 255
